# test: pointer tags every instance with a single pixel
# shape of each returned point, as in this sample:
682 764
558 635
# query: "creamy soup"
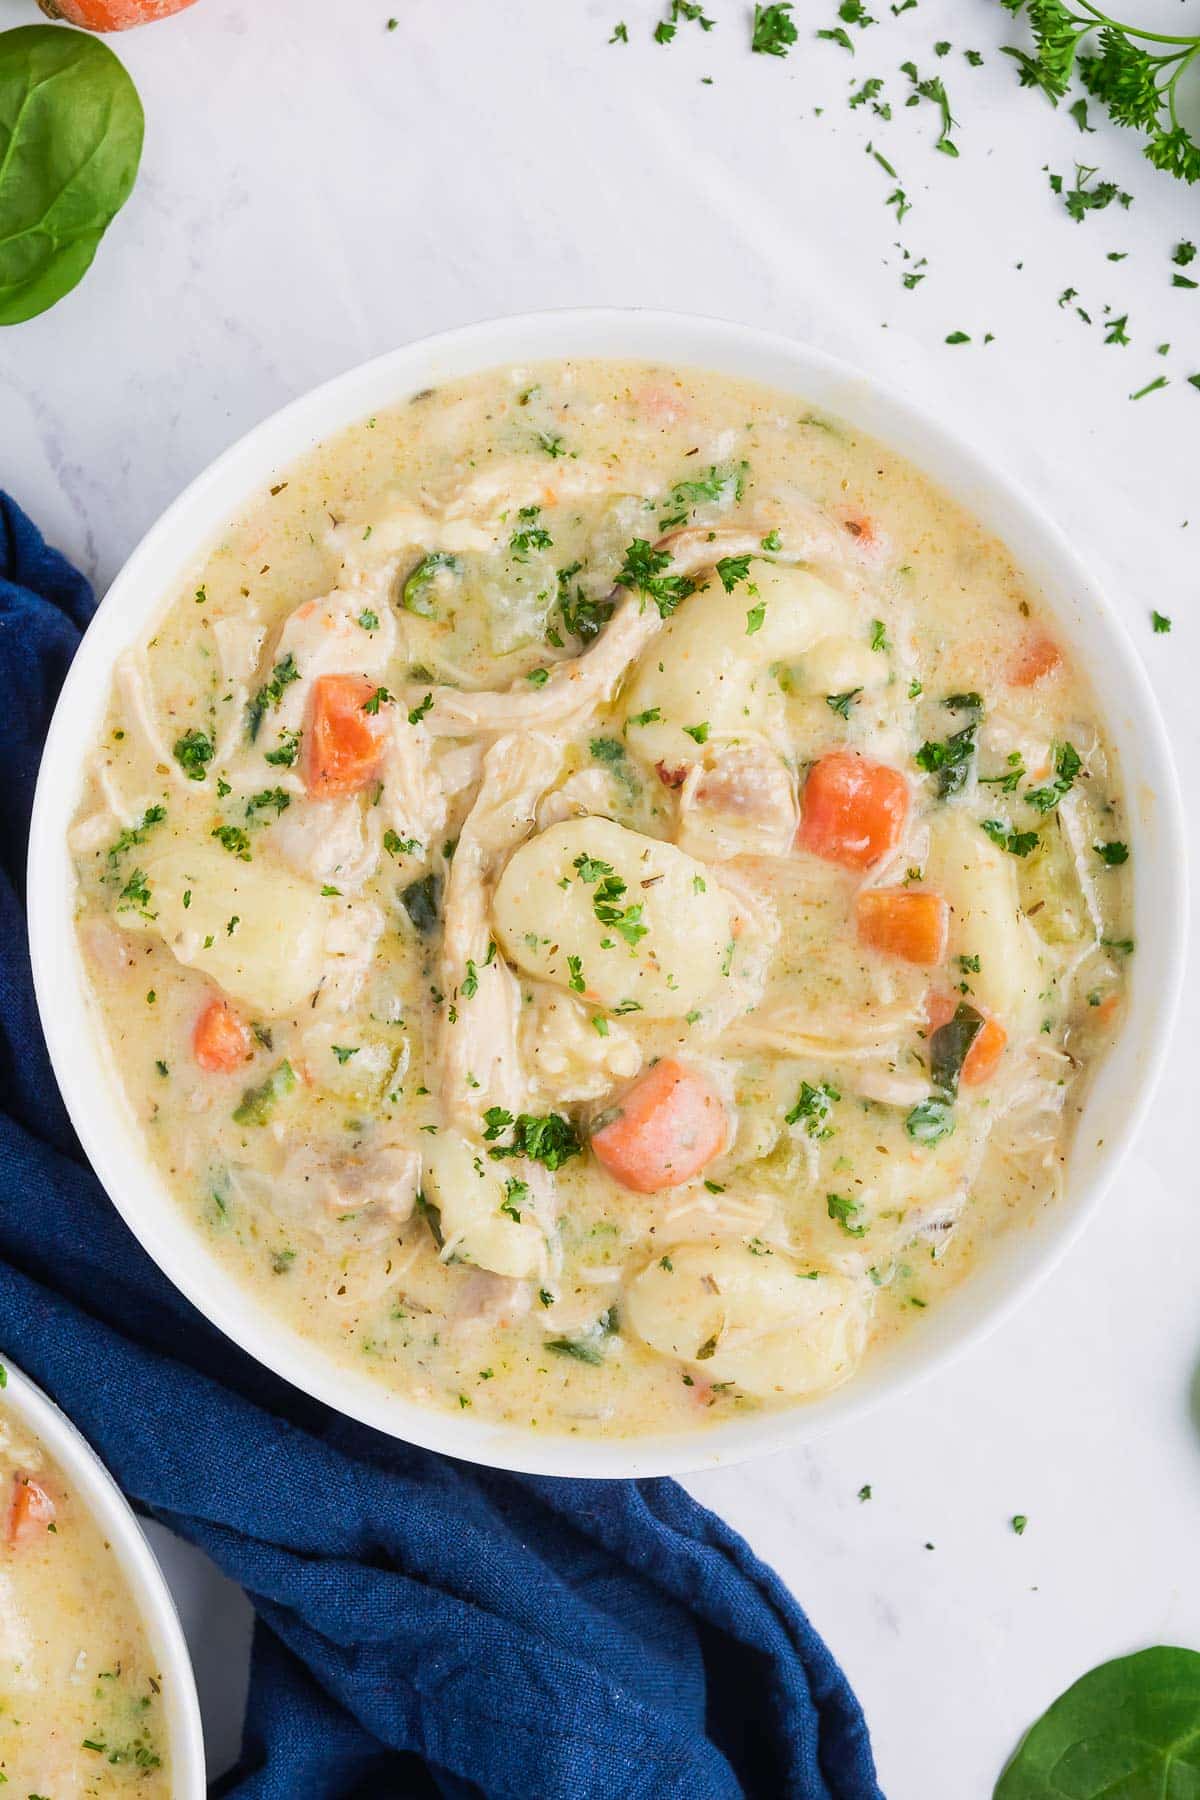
603 892
81 1711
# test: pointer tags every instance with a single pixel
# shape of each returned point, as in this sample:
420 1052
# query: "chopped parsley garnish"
417 594
609 891
951 760
642 572
1113 854
418 712
733 569
286 752
1017 843
755 616
844 1212
814 1109
344 1052
193 752
136 834
841 703
270 800
233 839
529 536
271 693
1067 764
930 1121
698 732
651 716
395 845
374 701
135 895
551 1139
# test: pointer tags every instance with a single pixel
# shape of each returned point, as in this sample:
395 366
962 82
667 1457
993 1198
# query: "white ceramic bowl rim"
1118 1097
103 1499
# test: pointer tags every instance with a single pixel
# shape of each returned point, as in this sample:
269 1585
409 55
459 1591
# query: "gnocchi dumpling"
706 675
624 920
980 882
471 1194
254 930
751 1317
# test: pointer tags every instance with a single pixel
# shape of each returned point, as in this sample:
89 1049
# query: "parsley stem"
1151 37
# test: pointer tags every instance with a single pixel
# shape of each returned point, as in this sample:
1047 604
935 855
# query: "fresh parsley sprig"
1133 72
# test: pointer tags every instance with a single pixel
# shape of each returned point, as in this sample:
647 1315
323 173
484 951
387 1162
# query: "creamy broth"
81 1711
603 892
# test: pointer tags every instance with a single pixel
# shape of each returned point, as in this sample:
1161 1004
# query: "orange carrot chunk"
343 743
907 922
668 1127
1036 657
32 1510
853 810
111 15
983 1058
220 1040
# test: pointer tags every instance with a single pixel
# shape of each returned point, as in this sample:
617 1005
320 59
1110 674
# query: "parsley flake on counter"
1018 1522
620 33
774 33
1159 622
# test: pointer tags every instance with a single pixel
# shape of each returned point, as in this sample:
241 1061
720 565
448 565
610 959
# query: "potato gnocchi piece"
707 671
469 1192
254 930
980 882
620 917
757 1320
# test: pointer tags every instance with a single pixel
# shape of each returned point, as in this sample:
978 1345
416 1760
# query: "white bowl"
1118 1097
103 1499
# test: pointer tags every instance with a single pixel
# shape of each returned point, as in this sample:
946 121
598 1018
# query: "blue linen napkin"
424 1626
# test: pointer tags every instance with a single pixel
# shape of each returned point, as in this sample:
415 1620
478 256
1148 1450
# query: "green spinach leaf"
70 142
1127 1729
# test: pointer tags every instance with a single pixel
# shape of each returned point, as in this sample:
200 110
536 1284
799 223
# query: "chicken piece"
336 1199
335 842
740 801
478 1050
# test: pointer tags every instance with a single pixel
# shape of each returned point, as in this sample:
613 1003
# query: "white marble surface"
315 190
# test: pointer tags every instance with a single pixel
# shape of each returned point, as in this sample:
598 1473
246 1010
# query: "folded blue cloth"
424 1626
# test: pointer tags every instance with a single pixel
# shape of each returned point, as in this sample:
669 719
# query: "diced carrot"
860 527
343 744
983 1058
854 810
908 922
663 404
1108 1009
220 1039
32 1510
669 1126
1036 657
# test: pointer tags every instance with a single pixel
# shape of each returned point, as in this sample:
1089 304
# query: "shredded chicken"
133 687
478 1048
